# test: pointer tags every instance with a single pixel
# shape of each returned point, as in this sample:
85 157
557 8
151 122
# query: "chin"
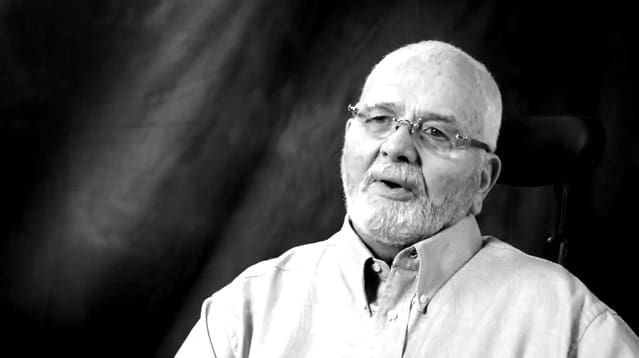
404 222
397 223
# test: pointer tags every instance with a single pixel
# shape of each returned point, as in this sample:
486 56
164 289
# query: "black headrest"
547 150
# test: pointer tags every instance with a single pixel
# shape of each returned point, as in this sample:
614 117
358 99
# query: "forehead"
443 86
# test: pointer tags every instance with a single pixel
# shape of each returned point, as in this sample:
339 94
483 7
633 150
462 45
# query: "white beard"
403 223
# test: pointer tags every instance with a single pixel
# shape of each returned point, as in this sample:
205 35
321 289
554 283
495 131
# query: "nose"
399 146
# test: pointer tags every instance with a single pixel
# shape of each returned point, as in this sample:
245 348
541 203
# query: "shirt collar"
439 256
352 256
443 254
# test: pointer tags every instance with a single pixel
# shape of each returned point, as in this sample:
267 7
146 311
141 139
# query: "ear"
488 175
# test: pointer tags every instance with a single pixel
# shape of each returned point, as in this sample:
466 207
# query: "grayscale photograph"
318 178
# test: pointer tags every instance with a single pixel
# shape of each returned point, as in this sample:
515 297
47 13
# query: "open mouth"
394 190
391 184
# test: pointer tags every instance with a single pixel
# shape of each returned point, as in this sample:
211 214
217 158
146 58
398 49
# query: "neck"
381 251
379 248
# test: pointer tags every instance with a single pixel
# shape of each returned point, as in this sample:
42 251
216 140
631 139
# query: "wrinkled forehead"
444 82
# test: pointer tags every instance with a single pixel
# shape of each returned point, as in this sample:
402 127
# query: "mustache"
404 173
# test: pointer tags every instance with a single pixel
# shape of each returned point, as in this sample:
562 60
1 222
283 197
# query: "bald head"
443 78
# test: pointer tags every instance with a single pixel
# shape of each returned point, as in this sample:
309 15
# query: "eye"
379 119
379 125
435 133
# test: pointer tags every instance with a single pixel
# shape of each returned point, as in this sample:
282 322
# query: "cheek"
359 153
443 178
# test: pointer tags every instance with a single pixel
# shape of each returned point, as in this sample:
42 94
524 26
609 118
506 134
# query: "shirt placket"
391 311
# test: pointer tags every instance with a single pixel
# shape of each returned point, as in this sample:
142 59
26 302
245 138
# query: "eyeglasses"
381 122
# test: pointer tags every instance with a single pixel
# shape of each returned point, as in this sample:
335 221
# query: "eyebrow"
399 108
390 106
430 116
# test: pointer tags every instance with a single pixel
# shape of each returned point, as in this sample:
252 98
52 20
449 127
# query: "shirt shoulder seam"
585 330
229 333
274 265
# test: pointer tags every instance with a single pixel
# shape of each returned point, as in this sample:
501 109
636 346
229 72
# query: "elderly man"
409 274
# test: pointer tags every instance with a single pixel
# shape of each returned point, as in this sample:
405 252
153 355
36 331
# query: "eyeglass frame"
458 141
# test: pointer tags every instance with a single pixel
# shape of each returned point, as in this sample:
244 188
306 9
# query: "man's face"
398 191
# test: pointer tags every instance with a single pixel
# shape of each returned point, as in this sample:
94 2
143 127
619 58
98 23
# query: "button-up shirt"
455 294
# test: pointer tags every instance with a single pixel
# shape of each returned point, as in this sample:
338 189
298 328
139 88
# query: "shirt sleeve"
207 339
608 336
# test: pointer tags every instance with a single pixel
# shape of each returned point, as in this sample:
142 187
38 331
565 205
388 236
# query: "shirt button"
376 267
423 299
392 315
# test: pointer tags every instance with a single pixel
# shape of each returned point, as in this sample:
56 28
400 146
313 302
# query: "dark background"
151 150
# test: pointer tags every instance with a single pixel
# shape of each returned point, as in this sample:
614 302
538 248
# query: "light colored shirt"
455 294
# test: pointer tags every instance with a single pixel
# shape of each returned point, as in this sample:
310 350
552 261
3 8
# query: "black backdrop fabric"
152 150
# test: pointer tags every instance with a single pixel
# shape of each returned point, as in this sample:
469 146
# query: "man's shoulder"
500 255
261 285
302 259
543 292
532 278
510 263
